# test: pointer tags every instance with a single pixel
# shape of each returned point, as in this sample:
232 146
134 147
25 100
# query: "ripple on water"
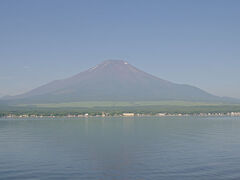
120 148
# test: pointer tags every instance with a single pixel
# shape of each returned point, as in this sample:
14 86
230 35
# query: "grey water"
169 148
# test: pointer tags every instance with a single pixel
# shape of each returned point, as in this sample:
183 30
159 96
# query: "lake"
169 148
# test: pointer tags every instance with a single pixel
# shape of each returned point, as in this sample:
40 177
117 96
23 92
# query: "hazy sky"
190 42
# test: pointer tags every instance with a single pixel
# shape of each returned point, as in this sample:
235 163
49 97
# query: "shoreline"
229 114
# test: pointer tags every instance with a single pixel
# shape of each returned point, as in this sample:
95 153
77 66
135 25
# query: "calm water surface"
169 148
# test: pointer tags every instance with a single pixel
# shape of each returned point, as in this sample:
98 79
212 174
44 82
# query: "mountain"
113 80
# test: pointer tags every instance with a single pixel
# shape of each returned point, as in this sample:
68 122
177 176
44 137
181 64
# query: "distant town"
118 115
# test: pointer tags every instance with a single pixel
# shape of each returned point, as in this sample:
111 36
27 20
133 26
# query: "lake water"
169 148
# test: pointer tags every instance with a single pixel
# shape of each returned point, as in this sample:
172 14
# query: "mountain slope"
113 80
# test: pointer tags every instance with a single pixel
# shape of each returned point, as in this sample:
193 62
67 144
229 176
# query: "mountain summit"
113 80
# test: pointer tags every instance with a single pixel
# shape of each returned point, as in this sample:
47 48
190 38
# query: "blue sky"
190 42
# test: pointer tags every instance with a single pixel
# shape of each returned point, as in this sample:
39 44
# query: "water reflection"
120 148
